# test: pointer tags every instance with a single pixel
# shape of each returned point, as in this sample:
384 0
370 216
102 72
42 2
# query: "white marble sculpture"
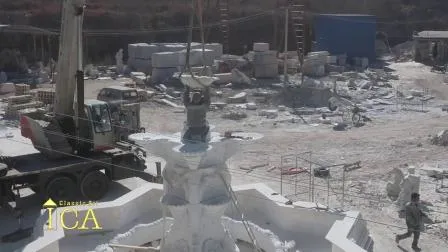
119 61
196 187
409 185
393 188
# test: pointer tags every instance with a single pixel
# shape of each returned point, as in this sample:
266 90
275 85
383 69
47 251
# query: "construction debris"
269 113
253 167
234 115
239 78
238 98
441 138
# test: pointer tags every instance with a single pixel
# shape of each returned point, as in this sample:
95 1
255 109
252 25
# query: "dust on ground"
394 138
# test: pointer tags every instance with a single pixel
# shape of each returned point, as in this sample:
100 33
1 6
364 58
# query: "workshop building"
430 47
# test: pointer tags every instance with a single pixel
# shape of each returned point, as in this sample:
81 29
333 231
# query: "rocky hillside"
398 18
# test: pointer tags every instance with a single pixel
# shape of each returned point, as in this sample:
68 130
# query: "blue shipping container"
346 33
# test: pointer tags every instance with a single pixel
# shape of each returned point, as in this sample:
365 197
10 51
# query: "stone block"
238 98
146 51
160 75
332 59
196 58
223 78
365 84
142 65
173 47
6 88
134 74
266 71
141 50
265 58
261 47
240 78
133 50
234 115
217 49
251 106
165 59
417 93
269 113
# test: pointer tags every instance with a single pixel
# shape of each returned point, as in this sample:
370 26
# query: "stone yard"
394 137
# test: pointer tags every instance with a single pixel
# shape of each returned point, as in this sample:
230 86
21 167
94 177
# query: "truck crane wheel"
61 188
94 185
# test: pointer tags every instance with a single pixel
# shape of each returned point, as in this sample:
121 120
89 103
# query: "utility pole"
285 56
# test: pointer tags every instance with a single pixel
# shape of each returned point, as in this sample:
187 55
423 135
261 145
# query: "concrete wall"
350 234
261 206
111 215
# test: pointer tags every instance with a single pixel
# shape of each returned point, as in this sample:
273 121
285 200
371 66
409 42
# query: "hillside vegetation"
398 18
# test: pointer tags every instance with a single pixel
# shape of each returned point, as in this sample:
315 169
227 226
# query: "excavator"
80 148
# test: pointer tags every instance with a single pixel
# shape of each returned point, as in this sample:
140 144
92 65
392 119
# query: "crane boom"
70 57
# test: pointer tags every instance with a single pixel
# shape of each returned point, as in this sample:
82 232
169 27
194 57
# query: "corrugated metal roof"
432 34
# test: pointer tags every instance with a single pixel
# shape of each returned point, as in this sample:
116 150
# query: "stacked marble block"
314 64
265 61
139 56
162 60
166 63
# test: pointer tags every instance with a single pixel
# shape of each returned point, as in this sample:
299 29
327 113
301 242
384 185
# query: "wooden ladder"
224 13
297 14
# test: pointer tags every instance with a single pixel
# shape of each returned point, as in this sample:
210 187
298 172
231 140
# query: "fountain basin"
125 221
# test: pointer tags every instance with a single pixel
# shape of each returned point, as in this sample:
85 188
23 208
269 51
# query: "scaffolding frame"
296 186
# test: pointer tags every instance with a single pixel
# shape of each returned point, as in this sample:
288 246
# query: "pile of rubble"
441 138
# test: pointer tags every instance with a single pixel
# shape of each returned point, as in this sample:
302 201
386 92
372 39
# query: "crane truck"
80 147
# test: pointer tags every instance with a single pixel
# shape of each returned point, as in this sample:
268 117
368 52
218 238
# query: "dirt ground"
393 139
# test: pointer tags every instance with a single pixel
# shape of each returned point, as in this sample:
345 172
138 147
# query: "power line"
260 176
177 29
319 188
129 128
248 195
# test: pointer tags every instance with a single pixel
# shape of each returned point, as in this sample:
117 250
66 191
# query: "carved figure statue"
409 185
197 103
119 61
